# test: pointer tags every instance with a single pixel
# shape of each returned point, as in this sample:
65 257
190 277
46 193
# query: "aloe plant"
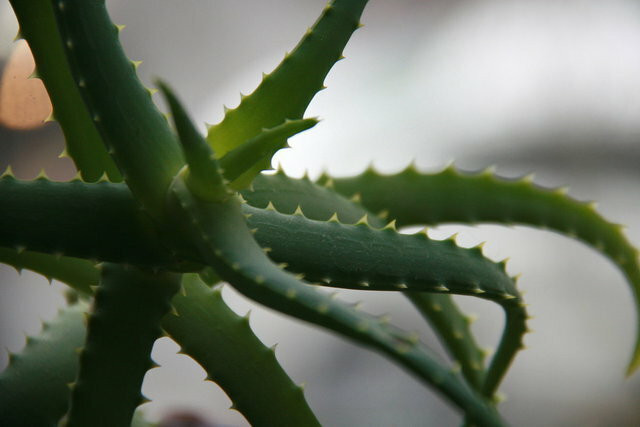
158 215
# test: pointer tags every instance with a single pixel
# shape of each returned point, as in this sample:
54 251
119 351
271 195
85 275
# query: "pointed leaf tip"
203 176
244 162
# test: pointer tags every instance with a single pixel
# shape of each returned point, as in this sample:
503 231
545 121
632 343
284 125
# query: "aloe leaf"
224 345
203 176
78 273
286 92
243 163
83 143
34 387
199 321
386 260
379 259
226 244
107 213
411 197
66 219
454 329
123 230
124 324
321 203
136 134
318 202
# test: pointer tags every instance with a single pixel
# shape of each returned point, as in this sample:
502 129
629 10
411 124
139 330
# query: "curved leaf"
224 345
201 323
411 197
286 92
225 242
360 257
136 134
78 273
83 143
321 203
107 212
34 387
243 163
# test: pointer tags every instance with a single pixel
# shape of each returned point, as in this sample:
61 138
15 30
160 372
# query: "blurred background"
529 86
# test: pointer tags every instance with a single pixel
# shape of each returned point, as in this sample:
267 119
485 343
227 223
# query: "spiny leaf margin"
226 243
33 388
234 358
411 197
287 91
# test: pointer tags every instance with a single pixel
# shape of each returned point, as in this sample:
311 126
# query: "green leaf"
78 273
107 213
124 324
378 259
136 134
411 197
359 257
199 322
75 219
454 329
83 143
227 245
203 176
242 164
320 203
34 387
224 345
286 92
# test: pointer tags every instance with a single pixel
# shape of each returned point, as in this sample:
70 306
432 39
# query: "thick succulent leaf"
203 177
411 197
243 163
107 213
318 202
125 231
286 92
321 203
199 321
226 244
136 134
83 143
67 219
79 274
386 260
124 324
224 345
34 387
379 259
454 329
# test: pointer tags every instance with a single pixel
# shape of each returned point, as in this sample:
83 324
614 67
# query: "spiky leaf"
83 143
226 244
224 345
412 197
34 387
136 134
287 91
124 323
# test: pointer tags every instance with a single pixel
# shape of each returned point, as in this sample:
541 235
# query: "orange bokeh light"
24 102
